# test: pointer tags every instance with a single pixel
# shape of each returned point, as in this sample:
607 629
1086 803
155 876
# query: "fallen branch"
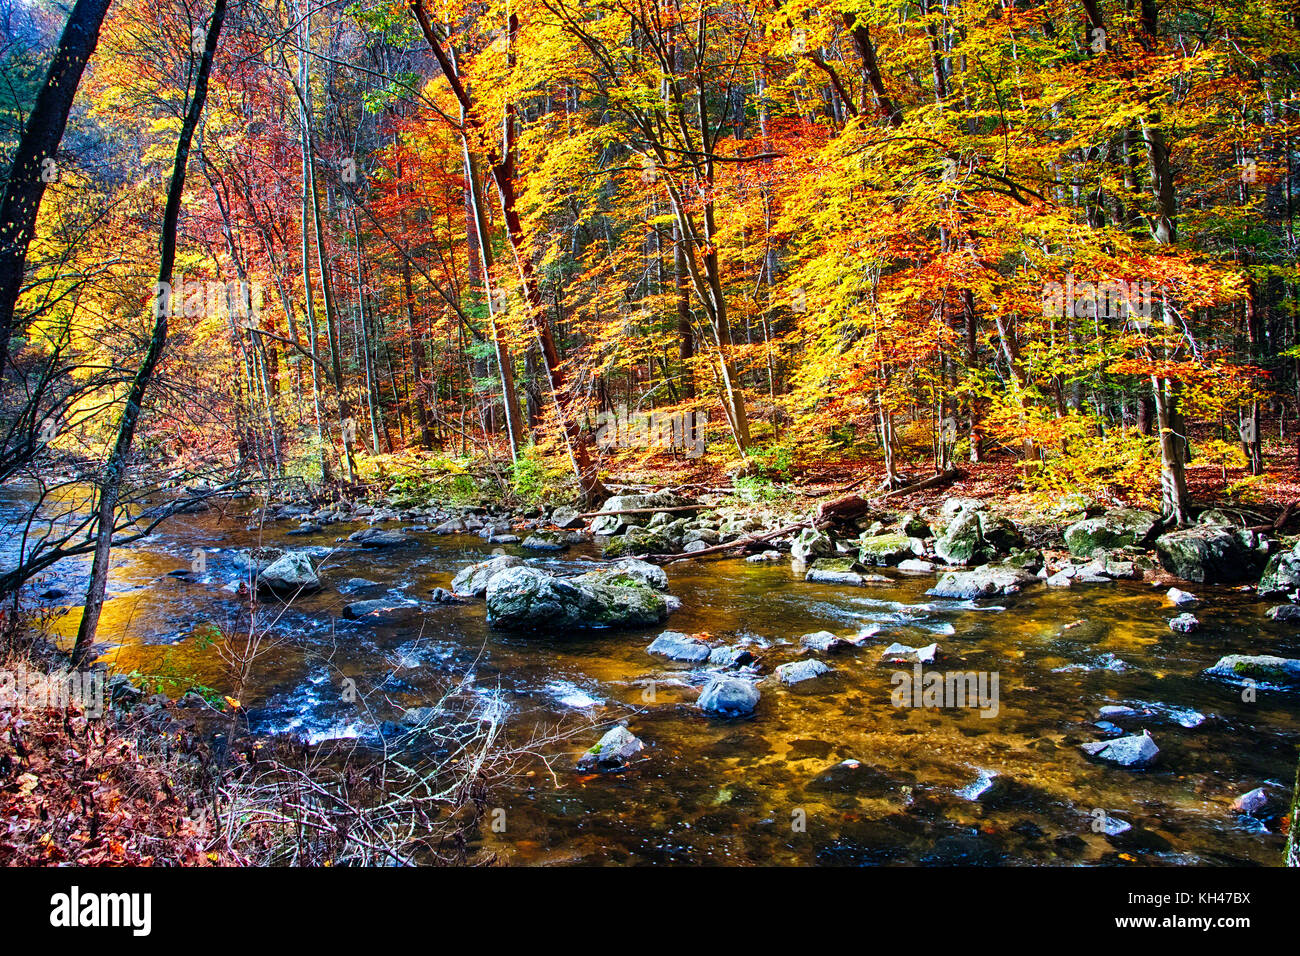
730 545
1281 521
934 481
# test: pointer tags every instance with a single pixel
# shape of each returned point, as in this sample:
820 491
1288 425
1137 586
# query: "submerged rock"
614 750
376 610
981 582
763 557
289 574
472 581
1135 751
523 598
729 697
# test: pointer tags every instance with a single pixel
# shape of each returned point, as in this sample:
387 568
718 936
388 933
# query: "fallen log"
1281 521
934 481
844 509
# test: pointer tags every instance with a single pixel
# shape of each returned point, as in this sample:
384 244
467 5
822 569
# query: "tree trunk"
110 485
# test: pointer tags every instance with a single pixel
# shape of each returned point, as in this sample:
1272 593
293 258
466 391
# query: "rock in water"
292 573
729 697
523 598
629 572
545 541
377 538
1264 668
679 647
796 672
1121 528
473 581
897 653
613 752
1135 751
1282 573
981 582
885 549
1285 613
812 544
1210 554
1184 624
1180 598
823 641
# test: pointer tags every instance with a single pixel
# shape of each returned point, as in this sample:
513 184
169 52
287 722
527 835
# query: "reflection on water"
830 774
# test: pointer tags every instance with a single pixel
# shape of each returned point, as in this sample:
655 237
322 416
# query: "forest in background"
530 246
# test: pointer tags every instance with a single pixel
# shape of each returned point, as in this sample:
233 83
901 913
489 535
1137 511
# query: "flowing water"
826 772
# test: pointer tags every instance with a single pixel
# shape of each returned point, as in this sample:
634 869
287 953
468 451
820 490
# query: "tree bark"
110 485
25 187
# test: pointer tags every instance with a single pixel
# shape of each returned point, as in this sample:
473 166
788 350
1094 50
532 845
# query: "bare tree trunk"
110 485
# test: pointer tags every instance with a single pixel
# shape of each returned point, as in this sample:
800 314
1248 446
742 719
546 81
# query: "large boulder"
473 581
882 550
811 544
629 573
796 672
1211 554
839 571
640 541
292 573
1282 573
1120 528
975 536
545 541
987 581
523 598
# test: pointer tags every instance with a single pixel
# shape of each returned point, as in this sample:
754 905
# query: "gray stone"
811 544
1119 528
566 518
1184 624
902 653
981 582
613 751
823 641
545 541
472 581
680 647
1210 554
629 572
378 538
1263 668
916 566
884 550
1285 613
1135 751
290 574
1281 573
729 697
523 598
1180 598
796 672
